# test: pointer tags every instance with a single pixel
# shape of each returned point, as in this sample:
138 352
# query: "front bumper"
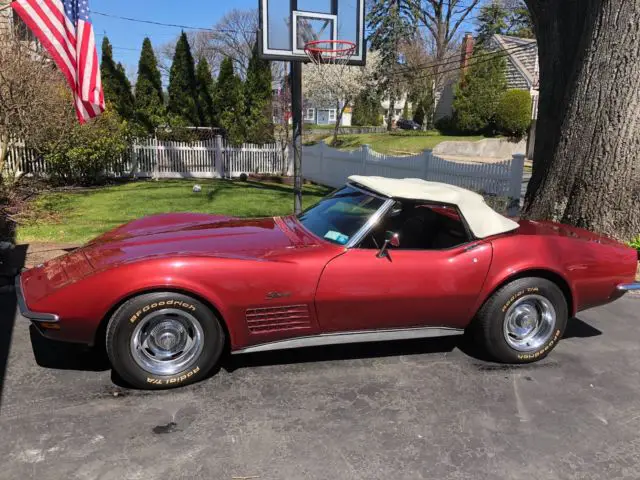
628 287
36 317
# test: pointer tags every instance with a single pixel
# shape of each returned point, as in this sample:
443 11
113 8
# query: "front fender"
229 285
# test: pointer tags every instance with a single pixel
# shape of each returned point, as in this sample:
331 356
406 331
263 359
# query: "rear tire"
522 321
163 340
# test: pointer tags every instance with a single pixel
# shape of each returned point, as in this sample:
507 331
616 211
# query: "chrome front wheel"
164 340
167 341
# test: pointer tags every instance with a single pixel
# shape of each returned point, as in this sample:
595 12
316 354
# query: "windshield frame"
357 237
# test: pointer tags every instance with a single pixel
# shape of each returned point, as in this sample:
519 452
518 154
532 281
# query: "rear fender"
498 279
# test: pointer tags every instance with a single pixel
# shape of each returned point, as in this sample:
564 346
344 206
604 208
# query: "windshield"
339 216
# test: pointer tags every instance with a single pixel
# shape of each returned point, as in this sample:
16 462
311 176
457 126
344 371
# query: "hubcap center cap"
169 336
529 322
167 341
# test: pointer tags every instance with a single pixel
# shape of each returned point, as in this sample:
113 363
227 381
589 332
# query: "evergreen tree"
366 109
478 93
258 99
183 88
492 20
391 22
149 102
405 110
229 102
206 91
116 85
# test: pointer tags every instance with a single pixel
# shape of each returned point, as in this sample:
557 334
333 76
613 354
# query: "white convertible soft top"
481 218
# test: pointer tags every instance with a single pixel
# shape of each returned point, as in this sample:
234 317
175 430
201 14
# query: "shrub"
446 125
366 110
88 151
478 93
635 243
513 113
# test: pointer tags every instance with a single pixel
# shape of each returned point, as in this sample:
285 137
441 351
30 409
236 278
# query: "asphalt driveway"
407 410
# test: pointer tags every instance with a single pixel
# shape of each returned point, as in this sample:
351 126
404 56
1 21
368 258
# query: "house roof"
481 218
522 60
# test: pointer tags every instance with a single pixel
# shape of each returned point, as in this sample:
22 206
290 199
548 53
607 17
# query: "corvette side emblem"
274 295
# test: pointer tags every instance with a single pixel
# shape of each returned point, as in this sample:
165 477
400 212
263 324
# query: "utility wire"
489 55
471 64
173 25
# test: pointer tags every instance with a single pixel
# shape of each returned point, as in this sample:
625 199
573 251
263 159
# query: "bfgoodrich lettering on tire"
522 321
163 340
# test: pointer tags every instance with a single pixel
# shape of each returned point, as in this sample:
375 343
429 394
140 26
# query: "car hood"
197 235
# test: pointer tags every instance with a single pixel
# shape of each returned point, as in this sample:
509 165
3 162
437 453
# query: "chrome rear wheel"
529 323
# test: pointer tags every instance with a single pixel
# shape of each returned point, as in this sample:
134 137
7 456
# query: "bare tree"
200 48
443 20
282 113
339 84
35 104
234 36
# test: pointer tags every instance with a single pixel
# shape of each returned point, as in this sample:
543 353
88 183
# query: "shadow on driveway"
8 307
575 329
66 356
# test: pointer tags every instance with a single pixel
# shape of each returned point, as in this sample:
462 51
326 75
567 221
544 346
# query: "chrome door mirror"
391 239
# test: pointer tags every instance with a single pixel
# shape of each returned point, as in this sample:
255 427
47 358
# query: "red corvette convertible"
379 259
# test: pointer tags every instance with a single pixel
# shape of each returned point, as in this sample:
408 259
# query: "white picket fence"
332 167
322 164
213 158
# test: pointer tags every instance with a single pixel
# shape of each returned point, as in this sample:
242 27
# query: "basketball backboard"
286 26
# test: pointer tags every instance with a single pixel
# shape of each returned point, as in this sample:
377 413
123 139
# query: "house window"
310 114
332 115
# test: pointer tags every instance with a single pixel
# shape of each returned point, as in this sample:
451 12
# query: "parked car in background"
380 259
404 124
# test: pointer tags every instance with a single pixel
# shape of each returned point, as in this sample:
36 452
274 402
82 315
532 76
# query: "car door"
359 291
434 280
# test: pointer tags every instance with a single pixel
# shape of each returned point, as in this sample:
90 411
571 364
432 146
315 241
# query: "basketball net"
329 58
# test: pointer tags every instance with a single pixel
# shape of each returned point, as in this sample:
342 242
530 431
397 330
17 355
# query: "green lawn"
399 143
78 216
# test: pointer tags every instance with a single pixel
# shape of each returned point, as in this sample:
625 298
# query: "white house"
398 108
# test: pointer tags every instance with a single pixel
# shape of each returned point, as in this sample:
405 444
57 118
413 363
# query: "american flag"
64 29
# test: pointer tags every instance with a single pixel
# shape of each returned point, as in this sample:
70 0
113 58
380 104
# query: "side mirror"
391 239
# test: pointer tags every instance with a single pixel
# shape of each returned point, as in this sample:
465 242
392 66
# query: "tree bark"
587 165
4 151
391 112
339 114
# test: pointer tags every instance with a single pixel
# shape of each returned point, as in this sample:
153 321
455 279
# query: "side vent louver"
269 319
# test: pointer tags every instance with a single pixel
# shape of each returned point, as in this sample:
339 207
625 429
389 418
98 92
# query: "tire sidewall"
129 316
507 297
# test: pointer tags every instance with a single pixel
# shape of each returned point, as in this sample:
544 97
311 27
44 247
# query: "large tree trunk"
391 112
4 152
587 165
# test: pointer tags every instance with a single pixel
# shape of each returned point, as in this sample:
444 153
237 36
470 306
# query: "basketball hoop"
330 52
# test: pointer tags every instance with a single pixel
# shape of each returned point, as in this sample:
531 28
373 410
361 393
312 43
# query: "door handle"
471 247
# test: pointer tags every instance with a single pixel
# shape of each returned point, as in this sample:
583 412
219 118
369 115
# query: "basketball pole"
296 107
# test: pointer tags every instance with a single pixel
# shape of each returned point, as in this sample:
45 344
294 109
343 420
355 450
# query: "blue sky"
125 35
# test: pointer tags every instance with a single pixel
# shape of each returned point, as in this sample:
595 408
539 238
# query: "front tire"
163 340
522 321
